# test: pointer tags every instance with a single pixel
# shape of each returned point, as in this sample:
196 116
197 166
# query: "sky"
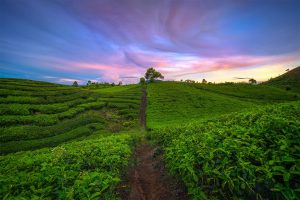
117 40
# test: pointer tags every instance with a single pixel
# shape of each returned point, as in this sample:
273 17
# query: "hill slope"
289 80
38 114
171 103
40 121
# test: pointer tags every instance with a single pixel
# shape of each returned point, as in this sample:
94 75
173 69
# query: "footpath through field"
143 108
148 179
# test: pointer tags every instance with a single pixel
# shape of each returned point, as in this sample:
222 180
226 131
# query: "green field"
171 103
38 114
222 141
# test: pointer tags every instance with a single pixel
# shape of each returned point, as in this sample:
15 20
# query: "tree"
142 80
151 75
75 84
89 82
252 81
120 83
204 81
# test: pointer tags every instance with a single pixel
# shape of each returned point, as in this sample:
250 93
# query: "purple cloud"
108 40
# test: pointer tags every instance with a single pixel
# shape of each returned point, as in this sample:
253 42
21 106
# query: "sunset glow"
63 41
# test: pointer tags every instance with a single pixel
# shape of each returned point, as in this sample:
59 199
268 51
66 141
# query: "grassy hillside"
251 155
170 103
288 81
38 114
228 141
259 94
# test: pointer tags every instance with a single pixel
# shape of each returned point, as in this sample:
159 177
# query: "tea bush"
89 169
252 155
26 132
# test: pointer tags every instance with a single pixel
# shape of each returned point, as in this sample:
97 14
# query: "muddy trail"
148 179
143 108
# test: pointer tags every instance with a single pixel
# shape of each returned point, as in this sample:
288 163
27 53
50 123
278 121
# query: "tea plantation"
221 141
170 103
250 155
77 170
228 141
37 115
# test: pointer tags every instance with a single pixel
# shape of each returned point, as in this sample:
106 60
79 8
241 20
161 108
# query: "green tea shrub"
42 119
27 132
252 155
14 109
89 169
20 99
51 141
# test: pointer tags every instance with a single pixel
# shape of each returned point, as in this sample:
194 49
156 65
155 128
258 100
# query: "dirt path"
148 180
143 108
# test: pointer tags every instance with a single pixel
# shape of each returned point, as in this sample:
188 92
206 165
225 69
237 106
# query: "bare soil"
148 180
143 108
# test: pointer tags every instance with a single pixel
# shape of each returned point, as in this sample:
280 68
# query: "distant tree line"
98 84
152 75
90 83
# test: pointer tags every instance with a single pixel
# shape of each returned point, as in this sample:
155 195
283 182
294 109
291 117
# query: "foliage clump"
75 83
142 80
151 75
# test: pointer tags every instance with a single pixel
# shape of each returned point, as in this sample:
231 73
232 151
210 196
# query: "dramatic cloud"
113 40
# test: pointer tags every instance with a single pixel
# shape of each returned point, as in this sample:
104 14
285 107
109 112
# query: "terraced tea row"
48 119
39 121
29 132
39 107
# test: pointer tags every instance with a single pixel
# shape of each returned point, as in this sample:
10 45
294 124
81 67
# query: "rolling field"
171 103
38 116
258 94
228 141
